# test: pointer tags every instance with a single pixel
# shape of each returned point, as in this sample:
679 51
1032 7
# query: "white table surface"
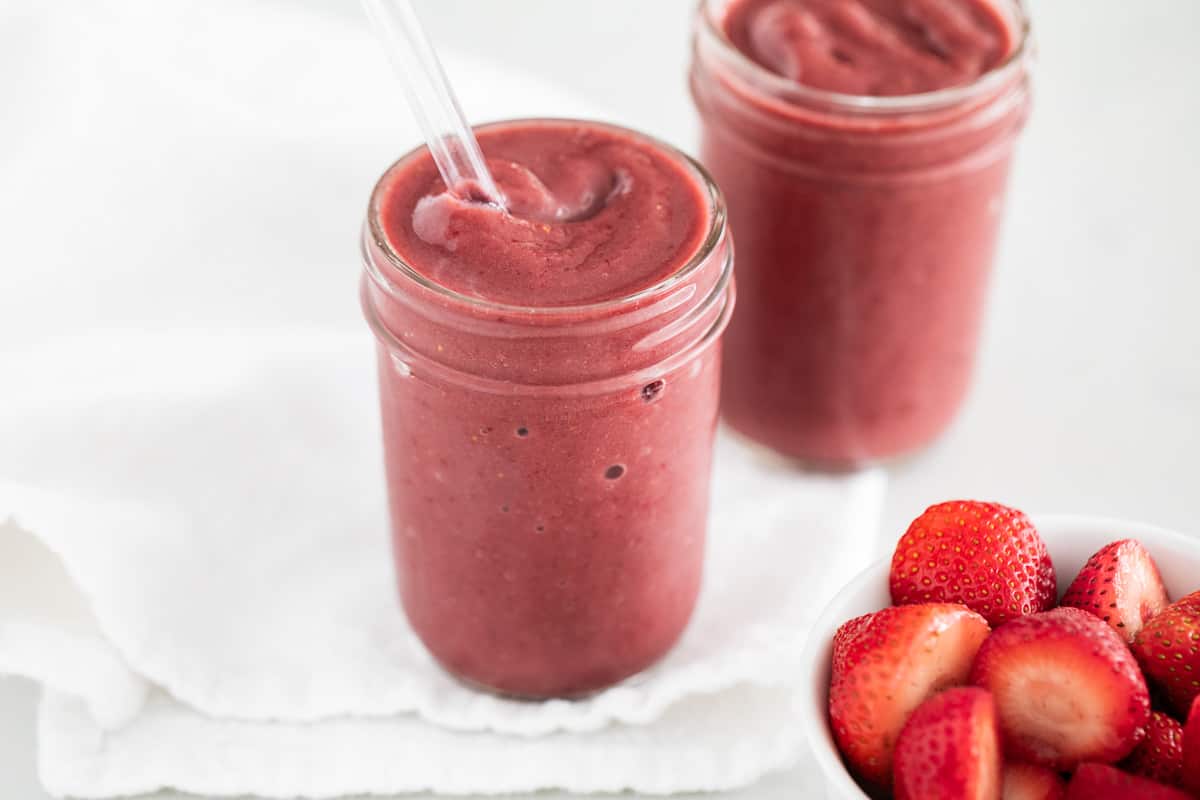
1088 392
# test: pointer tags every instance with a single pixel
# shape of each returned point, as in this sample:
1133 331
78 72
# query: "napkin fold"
199 524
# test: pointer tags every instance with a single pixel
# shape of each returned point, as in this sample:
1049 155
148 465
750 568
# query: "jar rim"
723 293
711 30
714 235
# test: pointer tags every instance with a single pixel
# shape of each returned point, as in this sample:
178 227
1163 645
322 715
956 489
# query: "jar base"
826 466
534 697
520 697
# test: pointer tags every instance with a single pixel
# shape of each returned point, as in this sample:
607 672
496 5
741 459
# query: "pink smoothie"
876 48
549 382
864 147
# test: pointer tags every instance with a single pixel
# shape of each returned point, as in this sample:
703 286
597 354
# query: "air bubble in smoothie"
652 390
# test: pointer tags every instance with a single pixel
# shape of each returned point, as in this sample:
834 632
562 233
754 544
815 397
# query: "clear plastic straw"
432 100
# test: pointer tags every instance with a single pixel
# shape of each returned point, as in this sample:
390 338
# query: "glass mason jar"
866 228
548 467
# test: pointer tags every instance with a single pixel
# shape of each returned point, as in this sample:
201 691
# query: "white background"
1088 393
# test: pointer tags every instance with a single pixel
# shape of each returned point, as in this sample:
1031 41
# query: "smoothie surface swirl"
874 48
593 214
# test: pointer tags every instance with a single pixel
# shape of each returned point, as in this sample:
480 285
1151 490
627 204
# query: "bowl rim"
837 778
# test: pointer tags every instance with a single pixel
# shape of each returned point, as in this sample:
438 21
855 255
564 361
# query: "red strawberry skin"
1066 687
1031 782
1102 782
1190 766
1120 584
986 556
950 747
1159 757
886 664
1168 648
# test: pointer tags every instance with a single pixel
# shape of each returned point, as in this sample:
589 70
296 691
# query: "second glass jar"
866 228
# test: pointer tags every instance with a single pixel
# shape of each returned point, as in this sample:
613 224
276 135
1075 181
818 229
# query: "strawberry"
984 555
1067 689
1168 648
884 665
1190 767
1160 755
1031 782
1102 782
1120 585
950 748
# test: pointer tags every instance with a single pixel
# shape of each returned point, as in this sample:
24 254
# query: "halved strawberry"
1160 755
986 556
1190 767
1031 782
884 665
1168 648
1067 689
1120 585
1102 782
949 748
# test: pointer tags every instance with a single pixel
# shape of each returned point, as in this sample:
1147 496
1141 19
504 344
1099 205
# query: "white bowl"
1070 539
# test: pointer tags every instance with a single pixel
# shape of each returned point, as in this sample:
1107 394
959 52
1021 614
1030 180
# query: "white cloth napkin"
194 561
216 501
